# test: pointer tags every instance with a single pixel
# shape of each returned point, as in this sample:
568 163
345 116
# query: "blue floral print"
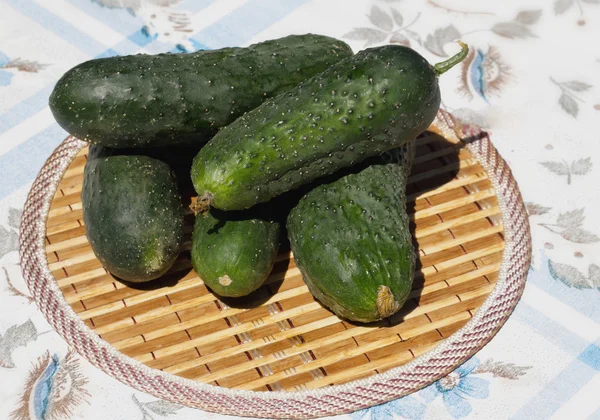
457 387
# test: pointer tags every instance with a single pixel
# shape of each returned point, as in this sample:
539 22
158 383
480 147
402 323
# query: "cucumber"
234 252
167 99
351 241
133 214
360 107
179 159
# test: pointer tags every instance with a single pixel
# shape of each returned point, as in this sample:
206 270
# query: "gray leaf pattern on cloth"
536 209
579 236
517 28
528 17
594 275
14 217
578 167
561 6
576 85
581 166
568 226
569 104
164 408
384 23
571 219
160 407
381 19
512 30
559 168
370 35
435 42
15 336
9 238
502 369
574 278
397 17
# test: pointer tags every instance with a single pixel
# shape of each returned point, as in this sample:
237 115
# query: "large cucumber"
166 99
359 107
351 239
234 252
133 214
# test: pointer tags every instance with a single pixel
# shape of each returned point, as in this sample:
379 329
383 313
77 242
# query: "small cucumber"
179 158
360 107
351 240
234 252
133 214
167 99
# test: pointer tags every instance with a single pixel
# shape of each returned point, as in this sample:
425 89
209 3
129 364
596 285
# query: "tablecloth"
532 80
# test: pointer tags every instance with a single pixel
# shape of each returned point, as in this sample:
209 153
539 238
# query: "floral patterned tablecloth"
532 79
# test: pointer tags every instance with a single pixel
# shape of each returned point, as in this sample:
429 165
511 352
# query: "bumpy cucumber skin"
179 158
133 214
351 236
234 252
359 107
167 99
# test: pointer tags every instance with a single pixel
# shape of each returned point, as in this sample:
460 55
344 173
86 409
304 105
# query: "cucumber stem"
386 304
444 66
202 204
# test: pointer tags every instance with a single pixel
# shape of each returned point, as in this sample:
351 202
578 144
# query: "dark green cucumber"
234 252
133 214
179 158
359 107
351 240
166 99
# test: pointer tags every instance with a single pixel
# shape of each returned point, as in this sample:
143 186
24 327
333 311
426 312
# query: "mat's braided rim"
332 400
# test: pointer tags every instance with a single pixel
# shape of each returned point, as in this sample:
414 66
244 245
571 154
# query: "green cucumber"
179 158
234 252
351 241
167 99
360 107
133 214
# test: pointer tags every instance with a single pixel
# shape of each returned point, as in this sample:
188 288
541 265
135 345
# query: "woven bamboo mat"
280 338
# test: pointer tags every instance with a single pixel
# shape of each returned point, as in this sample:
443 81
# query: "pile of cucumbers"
295 135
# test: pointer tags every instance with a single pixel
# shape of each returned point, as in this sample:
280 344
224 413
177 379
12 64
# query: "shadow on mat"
436 163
